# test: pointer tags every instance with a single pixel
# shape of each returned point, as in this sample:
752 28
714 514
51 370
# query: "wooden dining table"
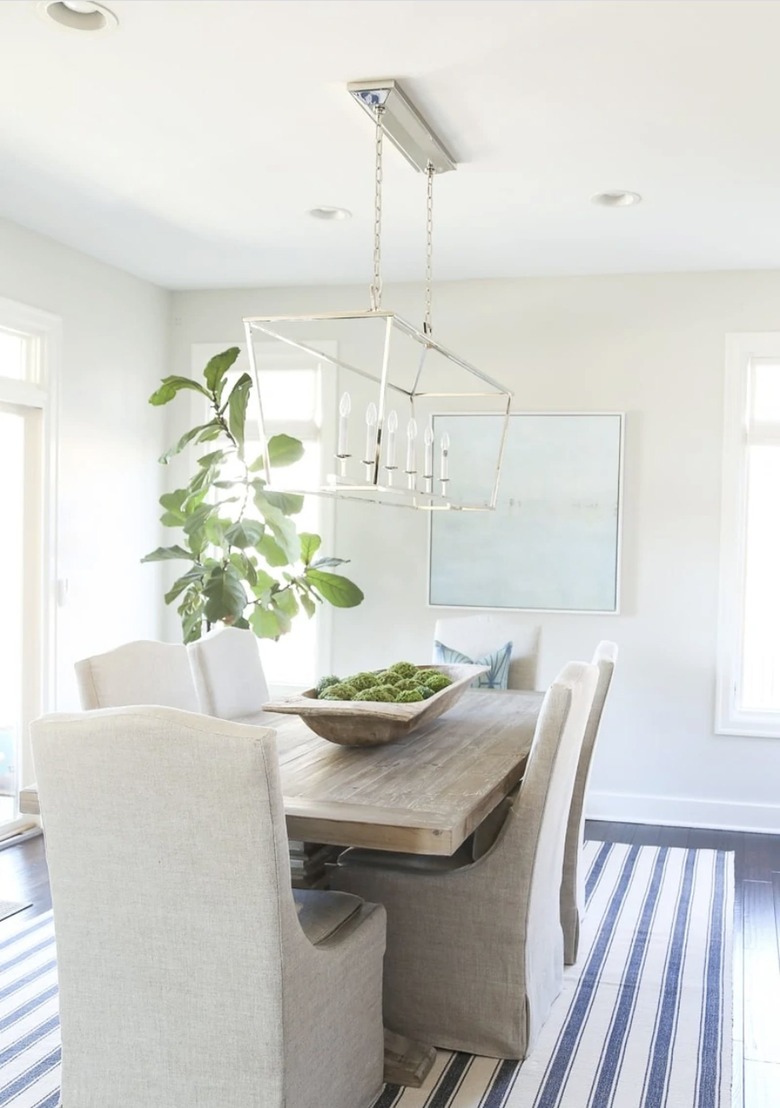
423 794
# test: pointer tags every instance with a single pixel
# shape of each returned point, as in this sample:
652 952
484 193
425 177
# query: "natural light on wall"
748 700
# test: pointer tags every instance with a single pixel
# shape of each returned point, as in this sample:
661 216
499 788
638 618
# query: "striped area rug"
644 1020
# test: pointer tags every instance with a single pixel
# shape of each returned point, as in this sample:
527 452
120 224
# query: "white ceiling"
187 145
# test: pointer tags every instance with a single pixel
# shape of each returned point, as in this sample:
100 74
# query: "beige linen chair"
573 883
475 953
477 635
229 675
142 672
189 973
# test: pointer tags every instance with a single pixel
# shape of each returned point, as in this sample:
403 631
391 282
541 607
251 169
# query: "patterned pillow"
497 663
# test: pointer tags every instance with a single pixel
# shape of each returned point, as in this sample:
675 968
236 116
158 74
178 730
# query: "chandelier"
394 398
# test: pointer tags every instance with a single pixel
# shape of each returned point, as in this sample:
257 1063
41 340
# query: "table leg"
406 1062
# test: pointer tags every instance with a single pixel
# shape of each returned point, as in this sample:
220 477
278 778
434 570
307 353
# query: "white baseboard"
683 811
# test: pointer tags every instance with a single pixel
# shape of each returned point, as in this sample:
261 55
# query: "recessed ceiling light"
616 199
78 15
330 213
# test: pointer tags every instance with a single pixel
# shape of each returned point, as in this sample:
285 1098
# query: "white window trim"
741 349
201 353
41 394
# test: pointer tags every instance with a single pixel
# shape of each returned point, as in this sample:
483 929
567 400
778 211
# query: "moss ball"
384 693
362 681
404 669
408 696
388 677
424 691
326 682
342 690
435 680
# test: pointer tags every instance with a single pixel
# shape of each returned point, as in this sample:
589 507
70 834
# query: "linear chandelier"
394 392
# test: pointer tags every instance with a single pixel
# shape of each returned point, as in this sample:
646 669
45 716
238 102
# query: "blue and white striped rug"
644 1020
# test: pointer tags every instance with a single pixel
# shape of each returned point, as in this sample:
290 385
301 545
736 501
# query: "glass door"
27 339
12 466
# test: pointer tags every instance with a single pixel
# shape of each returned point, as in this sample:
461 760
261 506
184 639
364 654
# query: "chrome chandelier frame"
383 481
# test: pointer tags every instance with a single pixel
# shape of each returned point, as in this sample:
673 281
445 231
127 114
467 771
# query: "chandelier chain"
428 323
376 286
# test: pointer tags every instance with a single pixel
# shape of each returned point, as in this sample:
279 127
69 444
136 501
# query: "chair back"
531 843
482 634
167 853
142 672
573 884
228 673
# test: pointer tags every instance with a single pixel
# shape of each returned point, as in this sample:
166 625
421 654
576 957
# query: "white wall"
114 351
652 347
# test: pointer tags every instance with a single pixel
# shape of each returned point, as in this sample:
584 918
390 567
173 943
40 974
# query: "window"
748 698
27 345
292 403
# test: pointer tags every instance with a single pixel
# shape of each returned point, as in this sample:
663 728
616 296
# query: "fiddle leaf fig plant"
247 563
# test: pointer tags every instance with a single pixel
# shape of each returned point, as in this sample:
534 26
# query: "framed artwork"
553 542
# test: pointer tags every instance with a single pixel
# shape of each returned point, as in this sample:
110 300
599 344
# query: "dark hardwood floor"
23 876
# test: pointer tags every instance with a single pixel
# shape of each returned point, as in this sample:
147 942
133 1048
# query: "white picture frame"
553 542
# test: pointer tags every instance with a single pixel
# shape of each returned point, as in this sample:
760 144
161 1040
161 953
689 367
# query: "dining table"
422 794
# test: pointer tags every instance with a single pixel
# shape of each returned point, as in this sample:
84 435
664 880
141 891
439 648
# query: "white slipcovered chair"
229 675
477 635
189 972
475 951
573 883
142 672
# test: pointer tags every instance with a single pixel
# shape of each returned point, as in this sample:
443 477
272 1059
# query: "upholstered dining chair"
229 675
573 883
141 672
475 951
189 972
481 636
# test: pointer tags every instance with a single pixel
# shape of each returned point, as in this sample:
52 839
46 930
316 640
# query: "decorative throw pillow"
497 675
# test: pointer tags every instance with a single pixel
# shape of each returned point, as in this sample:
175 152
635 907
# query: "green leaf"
248 532
270 549
288 503
170 386
283 529
310 544
265 624
225 595
196 519
165 553
211 459
218 366
200 433
173 501
245 567
237 405
189 578
337 590
264 583
286 602
283 450
320 563
307 604
214 530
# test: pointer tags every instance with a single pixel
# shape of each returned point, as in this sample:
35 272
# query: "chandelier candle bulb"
371 420
411 446
392 428
345 407
428 439
444 461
